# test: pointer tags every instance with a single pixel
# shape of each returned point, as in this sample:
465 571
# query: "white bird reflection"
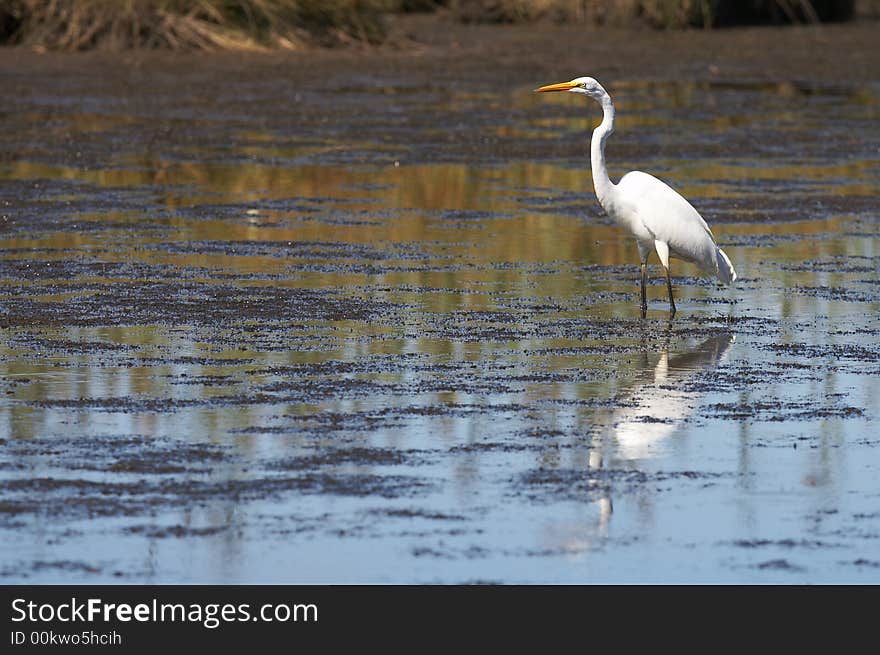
658 401
661 400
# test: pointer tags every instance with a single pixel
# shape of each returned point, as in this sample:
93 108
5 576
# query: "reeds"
292 24
189 24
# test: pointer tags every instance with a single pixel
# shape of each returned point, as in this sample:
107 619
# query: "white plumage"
660 219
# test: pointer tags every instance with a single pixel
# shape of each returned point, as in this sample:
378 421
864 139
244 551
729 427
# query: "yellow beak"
562 86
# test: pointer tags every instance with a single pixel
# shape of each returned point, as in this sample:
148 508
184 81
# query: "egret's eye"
583 85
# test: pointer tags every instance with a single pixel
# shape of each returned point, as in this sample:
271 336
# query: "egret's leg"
644 253
644 290
663 253
669 288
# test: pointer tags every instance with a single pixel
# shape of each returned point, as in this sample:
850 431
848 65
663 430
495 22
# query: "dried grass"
292 24
189 24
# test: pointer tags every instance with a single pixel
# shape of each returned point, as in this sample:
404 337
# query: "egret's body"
660 219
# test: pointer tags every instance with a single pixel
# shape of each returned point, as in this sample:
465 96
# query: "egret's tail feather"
725 269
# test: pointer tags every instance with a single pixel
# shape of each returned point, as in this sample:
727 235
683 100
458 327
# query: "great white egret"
660 219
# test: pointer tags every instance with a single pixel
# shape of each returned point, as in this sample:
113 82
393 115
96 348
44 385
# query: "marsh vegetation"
296 24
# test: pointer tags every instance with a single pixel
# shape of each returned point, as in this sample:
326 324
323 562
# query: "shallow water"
275 354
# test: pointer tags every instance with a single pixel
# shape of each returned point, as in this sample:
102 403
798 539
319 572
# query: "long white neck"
601 181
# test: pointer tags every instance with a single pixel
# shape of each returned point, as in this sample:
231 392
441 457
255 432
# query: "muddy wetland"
356 316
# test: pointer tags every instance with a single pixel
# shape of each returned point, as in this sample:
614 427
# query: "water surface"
240 348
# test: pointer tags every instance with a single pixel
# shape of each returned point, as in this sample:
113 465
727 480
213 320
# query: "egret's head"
586 85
